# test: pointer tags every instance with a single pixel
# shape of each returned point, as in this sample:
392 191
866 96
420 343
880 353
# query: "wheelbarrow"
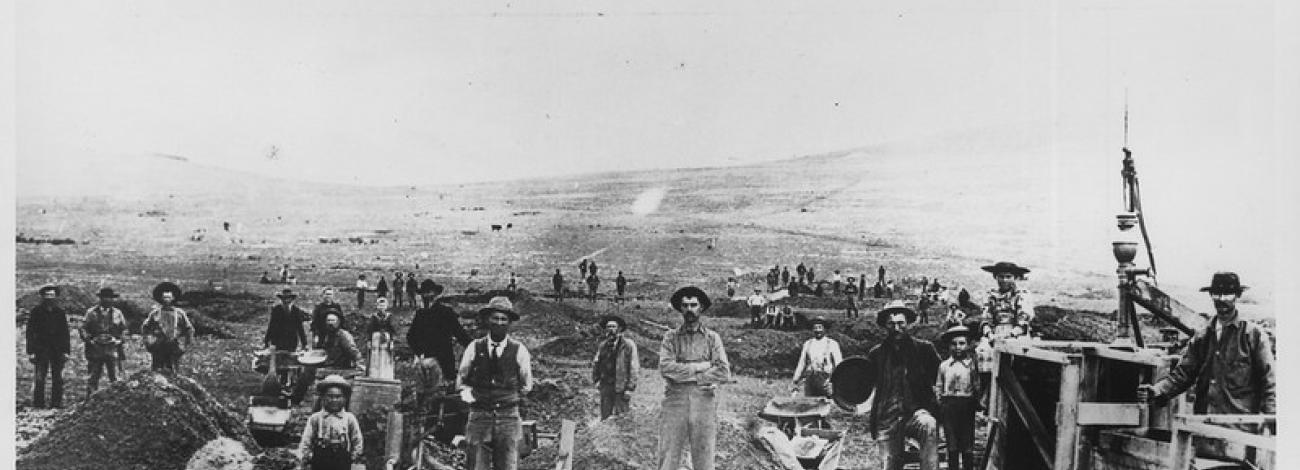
270 410
803 420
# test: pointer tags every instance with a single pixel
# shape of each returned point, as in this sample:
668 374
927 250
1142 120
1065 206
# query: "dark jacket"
626 364
47 330
922 363
382 289
285 328
1232 375
318 316
433 330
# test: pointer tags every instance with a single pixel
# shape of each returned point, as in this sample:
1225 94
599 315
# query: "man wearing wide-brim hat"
495 374
1230 364
901 371
48 346
285 331
615 368
817 359
101 333
1008 304
693 362
165 327
435 329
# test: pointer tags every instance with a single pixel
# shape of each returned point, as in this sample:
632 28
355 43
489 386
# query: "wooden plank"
565 453
1025 348
1230 435
1148 357
1110 414
1230 419
1043 442
1067 415
997 411
993 449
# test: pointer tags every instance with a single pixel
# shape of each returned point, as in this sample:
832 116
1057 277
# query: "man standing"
785 275
862 287
959 389
1007 305
615 367
399 286
756 303
817 359
1230 364
802 271
495 373
102 332
557 282
48 346
582 268
411 287
433 330
593 282
362 287
835 282
693 362
851 294
326 305
164 328
901 371
620 284
284 331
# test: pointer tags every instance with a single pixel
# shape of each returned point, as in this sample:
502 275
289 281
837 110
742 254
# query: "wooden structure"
1073 406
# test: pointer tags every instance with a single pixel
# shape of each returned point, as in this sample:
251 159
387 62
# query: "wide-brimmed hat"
107 293
428 287
334 380
1006 267
166 287
690 291
500 304
896 306
287 294
826 322
958 330
605 319
1225 282
47 288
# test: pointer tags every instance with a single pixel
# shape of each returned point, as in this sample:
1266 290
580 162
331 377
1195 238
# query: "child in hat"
332 439
958 388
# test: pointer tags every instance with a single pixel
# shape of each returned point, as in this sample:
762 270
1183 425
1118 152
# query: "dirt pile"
151 420
631 440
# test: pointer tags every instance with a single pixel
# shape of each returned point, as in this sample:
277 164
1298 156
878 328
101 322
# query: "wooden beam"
1231 435
1043 442
1110 414
1026 348
1230 419
565 454
1067 415
1147 357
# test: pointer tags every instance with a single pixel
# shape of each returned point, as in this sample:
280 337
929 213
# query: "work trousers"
612 403
690 415
52 365
494 438
920 426
166 356
97 367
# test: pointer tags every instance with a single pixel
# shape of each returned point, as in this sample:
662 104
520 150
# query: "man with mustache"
615 368
495 373
902 370
693 362
1230 364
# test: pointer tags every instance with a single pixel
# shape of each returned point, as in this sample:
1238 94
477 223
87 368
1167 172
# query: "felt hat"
820 319
690 291
500 304
164 286
428 287
896 306
287 294
107 293
605 319
955 331
47 288
1006 267
334 380
1224 282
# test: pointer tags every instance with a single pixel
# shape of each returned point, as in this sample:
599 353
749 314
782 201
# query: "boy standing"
332 439
958 389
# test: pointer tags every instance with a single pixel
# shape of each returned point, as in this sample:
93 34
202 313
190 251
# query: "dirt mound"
1075 325
555 398
484 297
225 306
625 442
151 420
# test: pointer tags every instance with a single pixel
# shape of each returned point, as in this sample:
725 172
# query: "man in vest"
615 367
102 332
495 373
693 362
166 327
817 359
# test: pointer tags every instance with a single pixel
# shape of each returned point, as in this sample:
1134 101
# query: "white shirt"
363 285
757 300
818 355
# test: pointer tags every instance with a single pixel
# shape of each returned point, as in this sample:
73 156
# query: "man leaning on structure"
693 363
1230 364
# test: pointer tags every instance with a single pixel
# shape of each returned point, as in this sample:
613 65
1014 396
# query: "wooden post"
997 410
395 436
1181 452
565 453
1067 417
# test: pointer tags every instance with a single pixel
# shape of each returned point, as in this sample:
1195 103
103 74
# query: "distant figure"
362 287
731 287
786 320
880 275
785 275
332 439
771 316
399 287
817 359
615 368
284 273
851 294
225 226
582 268
381 289
593 282
266 278
963 299
411 287
811 276
802 271
513 284
48 346
101 333
165 327
620 285
756 303
862 287
835 282
591 267
557 282
772 278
